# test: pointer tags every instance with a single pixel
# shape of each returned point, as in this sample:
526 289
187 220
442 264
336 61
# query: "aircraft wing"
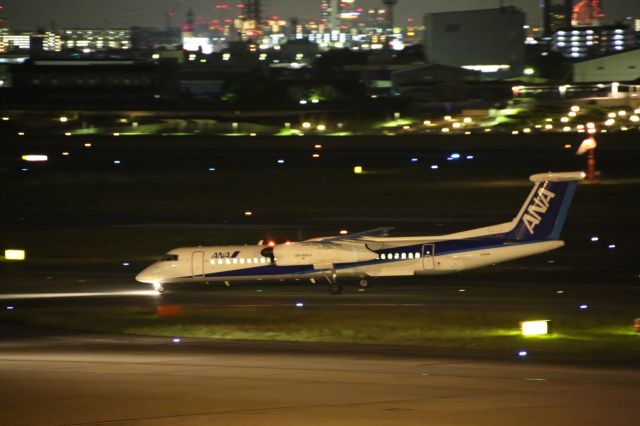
376 232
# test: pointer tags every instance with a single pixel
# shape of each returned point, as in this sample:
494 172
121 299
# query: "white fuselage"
391 257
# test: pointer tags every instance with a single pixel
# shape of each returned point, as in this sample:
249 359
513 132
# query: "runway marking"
246 410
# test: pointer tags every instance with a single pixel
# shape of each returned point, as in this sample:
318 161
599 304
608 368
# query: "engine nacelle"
309 253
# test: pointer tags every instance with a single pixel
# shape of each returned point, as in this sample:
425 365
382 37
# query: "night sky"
29 14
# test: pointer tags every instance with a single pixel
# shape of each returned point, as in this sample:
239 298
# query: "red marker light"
271 243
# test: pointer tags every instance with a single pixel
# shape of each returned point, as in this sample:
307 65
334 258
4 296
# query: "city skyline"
31 14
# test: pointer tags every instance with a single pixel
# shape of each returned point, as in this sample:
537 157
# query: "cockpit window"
169 257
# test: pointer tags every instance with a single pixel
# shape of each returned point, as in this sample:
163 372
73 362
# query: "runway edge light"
535 328
14 254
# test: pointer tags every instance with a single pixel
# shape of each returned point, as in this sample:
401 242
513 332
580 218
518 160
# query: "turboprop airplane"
536 229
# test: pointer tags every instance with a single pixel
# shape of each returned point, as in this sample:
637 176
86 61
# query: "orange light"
271 243
248 213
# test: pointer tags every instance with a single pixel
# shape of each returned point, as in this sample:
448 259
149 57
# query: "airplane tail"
543 214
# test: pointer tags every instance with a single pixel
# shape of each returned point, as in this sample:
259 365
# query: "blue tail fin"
543 214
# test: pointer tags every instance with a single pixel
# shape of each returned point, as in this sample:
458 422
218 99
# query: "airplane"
363 255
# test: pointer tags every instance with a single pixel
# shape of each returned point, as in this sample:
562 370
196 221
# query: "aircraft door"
427 256
197 264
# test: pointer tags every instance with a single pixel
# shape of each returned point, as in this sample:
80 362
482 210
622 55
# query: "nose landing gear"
158 287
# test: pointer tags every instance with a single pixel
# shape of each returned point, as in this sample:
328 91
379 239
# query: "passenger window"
219 261
417 255
255 260
227 261
235 261
404 255
383 256
242 260
410 255
262 260
396 256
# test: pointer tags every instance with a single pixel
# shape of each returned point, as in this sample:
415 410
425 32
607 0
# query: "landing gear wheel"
160 289
363 283
335 289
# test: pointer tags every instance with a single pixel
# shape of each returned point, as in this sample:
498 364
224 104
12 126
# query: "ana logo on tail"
538 207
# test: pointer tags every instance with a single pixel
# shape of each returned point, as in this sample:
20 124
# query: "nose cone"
148 275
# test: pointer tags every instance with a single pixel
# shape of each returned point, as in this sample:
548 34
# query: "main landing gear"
334 287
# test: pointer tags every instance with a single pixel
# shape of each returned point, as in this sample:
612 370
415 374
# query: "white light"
583 307
594 239
212 169
534 328
176 340
434 167
14 254
126 264
299 305
280 161
469 157
612 246
116 161
455 155
35 157
522 353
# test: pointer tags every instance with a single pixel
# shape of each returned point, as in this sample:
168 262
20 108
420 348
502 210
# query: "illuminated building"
584 42
250 19
3 45
587 13
96 39
461 39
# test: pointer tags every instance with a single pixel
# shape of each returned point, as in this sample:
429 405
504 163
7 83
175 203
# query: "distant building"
155 38
93 79
621 67
89 39
490 41
585 42
392 79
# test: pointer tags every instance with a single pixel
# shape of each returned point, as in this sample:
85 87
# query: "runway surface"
52 378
